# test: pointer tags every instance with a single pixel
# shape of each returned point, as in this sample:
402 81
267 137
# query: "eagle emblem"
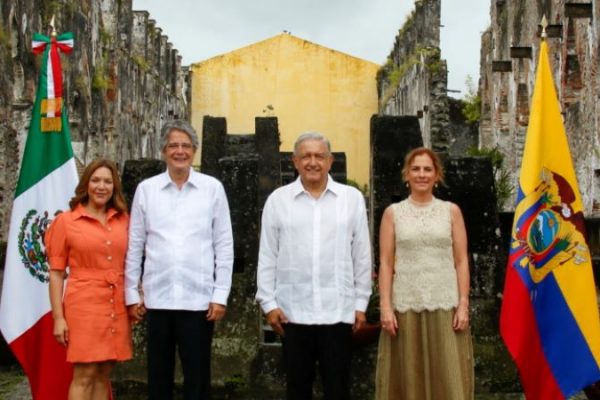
31 244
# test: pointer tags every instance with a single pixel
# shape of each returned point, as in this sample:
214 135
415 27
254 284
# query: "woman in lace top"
425 349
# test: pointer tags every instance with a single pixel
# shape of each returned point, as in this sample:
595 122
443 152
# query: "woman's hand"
388 321
460 321
136 312
61 331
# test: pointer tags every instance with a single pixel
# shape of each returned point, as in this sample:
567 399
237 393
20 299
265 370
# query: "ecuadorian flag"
549 317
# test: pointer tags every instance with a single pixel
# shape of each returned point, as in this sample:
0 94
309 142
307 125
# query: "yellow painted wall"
309 88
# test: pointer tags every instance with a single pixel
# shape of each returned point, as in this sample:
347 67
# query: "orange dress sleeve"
57 248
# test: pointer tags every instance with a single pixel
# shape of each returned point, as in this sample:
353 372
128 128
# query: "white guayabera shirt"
187 237
315 255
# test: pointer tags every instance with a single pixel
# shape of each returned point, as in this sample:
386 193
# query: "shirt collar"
80 212
193 179
332 186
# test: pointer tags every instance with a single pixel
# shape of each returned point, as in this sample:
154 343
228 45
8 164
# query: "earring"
435 186
407 185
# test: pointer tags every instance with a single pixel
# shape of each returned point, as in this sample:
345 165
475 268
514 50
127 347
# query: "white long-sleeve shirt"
315 254
188 243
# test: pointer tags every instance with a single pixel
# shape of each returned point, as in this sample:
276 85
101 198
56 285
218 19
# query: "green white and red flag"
47 181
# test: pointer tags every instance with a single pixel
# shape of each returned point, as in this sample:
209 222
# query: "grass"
10 378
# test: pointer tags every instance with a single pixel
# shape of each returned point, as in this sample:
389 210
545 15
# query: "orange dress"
94 299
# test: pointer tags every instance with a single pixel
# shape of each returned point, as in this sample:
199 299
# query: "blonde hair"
437 163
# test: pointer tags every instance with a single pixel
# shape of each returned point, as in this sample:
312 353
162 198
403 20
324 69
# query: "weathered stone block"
501 66
521 52
236 339
214 139
391 139
267 148
485 317
135 171
495 371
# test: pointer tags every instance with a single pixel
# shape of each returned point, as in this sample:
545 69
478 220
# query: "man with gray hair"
314 271
180 218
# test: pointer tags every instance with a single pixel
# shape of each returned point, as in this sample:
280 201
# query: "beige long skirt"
426 360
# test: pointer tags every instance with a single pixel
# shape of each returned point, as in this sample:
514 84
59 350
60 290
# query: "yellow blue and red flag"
549 316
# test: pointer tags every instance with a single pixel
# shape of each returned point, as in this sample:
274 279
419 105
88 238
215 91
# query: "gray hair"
180 125
311 136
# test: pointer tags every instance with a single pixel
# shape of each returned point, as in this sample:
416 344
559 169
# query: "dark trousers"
329 346
191 334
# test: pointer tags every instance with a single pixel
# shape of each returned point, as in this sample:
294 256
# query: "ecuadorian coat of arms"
549 233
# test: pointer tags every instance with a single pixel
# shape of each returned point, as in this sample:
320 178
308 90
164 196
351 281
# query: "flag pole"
544 24
52 26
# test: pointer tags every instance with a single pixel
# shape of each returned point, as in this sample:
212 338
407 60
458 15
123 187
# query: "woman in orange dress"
91 319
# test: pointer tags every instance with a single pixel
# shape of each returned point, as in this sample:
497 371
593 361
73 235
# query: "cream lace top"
425 277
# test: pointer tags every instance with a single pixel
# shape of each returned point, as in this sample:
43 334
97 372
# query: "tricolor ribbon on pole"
51 77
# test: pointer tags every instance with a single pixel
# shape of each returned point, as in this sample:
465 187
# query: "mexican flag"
46 182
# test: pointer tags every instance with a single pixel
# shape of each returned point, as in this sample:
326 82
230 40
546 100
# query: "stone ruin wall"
509 53
121 81
413 82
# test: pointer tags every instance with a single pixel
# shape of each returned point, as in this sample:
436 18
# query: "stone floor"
14 386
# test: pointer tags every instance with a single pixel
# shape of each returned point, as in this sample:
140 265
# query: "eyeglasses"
184 146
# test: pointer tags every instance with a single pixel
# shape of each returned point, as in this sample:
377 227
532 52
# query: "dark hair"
437 163
179 125
117 201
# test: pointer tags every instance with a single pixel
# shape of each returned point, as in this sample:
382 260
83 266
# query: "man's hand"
360 320
136 312
275 318
215 312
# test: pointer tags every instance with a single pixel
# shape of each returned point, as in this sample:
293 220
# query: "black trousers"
329 347
191 334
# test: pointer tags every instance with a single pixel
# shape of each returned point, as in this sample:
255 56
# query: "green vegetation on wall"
105 37
100 80
408 24
141 62
472 103
504 186
428 57
4 38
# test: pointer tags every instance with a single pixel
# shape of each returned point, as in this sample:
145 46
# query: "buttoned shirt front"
187 239
94 304
315 254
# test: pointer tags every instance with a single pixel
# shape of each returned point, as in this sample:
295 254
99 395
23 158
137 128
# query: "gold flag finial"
52 26
544 24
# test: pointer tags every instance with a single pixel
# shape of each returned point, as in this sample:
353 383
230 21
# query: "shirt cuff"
361 305
219 296
268 306
132 296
